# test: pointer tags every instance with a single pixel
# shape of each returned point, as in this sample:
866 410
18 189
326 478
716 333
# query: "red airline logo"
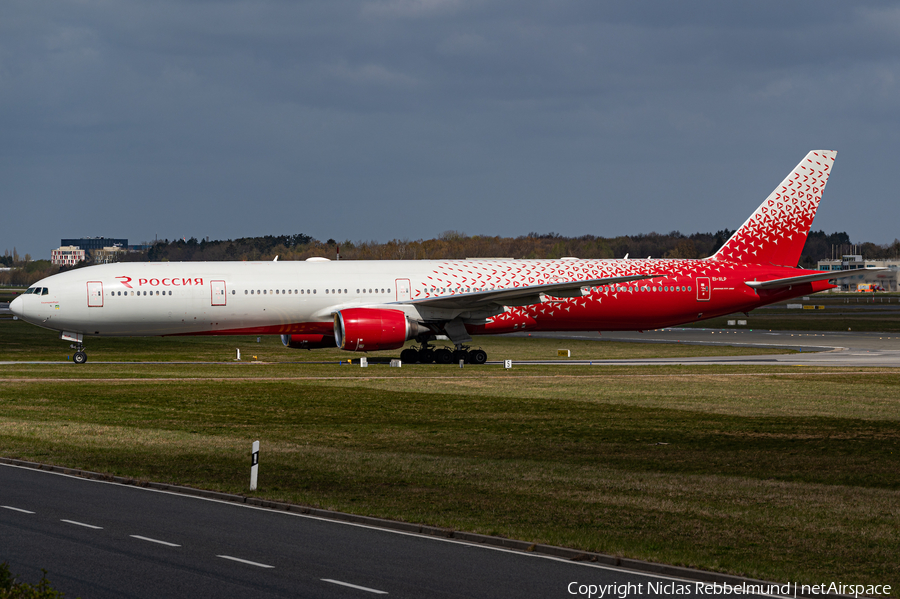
166 282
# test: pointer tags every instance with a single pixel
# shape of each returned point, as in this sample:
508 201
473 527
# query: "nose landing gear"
80 357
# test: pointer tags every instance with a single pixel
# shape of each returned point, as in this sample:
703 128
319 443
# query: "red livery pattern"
776 232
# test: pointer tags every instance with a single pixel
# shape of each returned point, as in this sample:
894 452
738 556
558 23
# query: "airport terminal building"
887 280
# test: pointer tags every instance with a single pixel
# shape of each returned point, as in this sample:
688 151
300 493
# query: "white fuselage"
136 299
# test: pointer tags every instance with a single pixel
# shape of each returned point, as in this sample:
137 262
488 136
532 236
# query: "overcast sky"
402 119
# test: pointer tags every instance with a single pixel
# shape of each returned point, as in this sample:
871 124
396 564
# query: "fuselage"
238 298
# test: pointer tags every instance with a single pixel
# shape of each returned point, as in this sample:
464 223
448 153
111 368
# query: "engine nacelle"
308 341
370 329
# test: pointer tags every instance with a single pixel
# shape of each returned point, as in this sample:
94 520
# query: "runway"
99 539
845 349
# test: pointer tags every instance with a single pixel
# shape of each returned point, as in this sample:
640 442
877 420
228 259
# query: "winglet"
776 232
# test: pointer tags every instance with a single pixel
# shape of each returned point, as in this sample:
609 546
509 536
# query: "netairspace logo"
670 588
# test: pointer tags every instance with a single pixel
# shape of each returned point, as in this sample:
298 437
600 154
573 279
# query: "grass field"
779 473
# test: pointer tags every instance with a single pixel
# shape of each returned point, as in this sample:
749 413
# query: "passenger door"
219 298
704 292
403 289
95 294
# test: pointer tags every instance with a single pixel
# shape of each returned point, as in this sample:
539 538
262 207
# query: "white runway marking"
355 586
82 524
244 561
15 509
166 543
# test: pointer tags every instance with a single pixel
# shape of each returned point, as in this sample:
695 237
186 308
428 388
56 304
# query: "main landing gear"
426 354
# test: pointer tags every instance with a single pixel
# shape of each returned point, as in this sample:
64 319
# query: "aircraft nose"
17 307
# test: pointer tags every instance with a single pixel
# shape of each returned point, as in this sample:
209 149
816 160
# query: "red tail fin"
776 232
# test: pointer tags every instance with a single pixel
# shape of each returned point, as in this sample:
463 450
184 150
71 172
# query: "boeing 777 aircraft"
377 305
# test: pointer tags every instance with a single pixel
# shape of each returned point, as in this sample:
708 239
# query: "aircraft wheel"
409 356
460 354
426 356
80 357
443 356
477 356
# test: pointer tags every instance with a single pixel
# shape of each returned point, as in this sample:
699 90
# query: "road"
98 539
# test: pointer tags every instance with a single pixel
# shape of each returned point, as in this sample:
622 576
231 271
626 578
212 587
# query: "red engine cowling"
308 341
370 329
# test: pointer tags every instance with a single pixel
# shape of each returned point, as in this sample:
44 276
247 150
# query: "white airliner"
377 305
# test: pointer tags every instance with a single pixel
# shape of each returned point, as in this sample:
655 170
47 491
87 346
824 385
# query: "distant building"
889 280
90 244
107 254
67 255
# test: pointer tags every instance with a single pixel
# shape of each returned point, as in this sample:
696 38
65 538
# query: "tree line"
450 245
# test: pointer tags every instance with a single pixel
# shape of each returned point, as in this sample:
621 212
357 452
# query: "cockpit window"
31 290
45 291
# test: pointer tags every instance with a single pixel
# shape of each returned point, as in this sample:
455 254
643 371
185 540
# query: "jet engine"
370 329
308 341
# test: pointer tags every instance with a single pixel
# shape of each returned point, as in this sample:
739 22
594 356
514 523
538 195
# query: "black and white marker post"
254 465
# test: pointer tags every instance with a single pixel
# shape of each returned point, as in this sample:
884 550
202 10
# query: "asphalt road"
99 540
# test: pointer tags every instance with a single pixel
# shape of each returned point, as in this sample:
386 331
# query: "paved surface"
845 349
99 540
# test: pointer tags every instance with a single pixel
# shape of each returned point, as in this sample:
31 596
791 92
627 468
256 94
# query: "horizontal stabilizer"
819 276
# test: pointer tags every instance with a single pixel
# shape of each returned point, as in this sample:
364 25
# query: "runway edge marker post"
254 465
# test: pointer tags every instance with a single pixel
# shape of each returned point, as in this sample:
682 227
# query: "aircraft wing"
819 276
523 296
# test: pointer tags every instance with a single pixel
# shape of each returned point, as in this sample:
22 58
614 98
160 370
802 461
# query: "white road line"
166 543
15 509
244 561
355 586
82 524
